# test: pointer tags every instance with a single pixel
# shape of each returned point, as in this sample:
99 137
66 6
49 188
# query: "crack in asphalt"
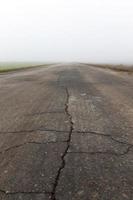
33 130
104 135
53 197
61 131
26 143
103 152
66 141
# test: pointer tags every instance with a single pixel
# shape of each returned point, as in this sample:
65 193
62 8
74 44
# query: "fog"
67 30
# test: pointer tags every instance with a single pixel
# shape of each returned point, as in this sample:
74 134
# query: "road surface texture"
66 133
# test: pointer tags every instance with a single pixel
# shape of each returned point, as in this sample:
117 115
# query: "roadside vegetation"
13 66
119 68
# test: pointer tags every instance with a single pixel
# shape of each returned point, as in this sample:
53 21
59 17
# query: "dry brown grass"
118 68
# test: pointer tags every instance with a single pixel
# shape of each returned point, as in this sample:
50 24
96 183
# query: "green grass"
13 66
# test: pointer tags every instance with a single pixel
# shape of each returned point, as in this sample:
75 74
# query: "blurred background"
67 31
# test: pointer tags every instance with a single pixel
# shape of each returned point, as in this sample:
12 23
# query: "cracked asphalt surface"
66 133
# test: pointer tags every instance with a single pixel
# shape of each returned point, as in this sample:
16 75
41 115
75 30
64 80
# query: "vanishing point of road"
66 133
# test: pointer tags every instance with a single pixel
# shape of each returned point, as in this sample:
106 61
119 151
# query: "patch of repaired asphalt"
97 114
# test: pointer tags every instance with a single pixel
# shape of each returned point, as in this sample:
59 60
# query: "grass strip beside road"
9 67
118 68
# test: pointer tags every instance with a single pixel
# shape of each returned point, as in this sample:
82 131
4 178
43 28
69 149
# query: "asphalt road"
66 133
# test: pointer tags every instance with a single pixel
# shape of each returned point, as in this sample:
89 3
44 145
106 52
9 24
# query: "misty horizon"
66 31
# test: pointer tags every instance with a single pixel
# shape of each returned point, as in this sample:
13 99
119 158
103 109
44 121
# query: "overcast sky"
66 30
